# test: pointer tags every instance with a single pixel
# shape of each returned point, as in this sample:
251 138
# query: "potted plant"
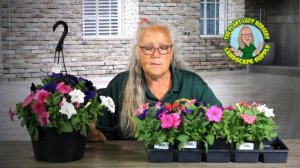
57 114
218 135
254 125
191 131
180 124
156 125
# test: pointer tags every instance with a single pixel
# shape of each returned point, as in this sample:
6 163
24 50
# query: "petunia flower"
50 87
63 88
109 103
89 95
77 96
158 105
44 118
11 115
42 95
176 120
267 111
28 99
38 107
144 114
214 113
244 104
68 109
169 106
248 118
166 121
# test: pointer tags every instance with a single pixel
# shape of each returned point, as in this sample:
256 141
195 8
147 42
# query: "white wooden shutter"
102 18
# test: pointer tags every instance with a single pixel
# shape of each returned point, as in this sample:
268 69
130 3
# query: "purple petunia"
89 95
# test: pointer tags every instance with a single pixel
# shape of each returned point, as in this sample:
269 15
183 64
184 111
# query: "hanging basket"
55 147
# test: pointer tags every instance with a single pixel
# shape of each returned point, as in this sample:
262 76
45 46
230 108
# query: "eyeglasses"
149 50
246 35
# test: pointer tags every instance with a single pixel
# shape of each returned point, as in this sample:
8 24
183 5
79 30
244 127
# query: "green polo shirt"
185 84
247 51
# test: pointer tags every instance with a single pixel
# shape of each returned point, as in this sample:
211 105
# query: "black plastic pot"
189 155
219 152
160 155
278 153
55 147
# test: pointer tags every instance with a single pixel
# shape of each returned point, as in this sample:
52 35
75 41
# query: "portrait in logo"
247 41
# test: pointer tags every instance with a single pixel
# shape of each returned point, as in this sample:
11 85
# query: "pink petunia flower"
63 88
42 95
38 107
11 115
141 109
166 121
28 99
248 118
44 118
158 105
214 113
176 120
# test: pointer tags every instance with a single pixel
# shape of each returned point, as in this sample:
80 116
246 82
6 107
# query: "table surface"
116 154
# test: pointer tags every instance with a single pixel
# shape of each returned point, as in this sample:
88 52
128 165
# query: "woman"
246 44
154 74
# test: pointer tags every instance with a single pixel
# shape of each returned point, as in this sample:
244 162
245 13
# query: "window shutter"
89 18
102 18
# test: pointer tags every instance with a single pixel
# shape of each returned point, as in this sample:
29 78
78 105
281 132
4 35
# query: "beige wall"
33 42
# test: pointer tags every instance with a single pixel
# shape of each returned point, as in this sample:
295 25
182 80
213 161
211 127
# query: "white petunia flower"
77 96
261 108
108 102
68 109
267 111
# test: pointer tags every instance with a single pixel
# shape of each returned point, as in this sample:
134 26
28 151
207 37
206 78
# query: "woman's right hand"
94 134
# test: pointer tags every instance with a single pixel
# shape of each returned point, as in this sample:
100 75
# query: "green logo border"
250 21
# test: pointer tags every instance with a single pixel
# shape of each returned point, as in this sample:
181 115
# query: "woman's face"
247 36
154 51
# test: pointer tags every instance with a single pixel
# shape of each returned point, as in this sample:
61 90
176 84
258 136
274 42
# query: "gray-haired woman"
155 73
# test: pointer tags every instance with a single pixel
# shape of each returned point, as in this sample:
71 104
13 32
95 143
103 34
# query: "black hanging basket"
55 147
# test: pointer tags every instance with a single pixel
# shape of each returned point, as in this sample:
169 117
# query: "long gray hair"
134 93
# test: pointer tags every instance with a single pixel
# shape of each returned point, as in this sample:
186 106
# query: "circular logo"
247 38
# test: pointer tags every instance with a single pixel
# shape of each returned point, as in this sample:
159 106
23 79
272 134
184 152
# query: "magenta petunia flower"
38 107
63 88
44 118
214 113
28 99
248 118
176 120
166 121
11 115
42 95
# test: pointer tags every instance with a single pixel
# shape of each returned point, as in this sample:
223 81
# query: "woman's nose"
156 53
